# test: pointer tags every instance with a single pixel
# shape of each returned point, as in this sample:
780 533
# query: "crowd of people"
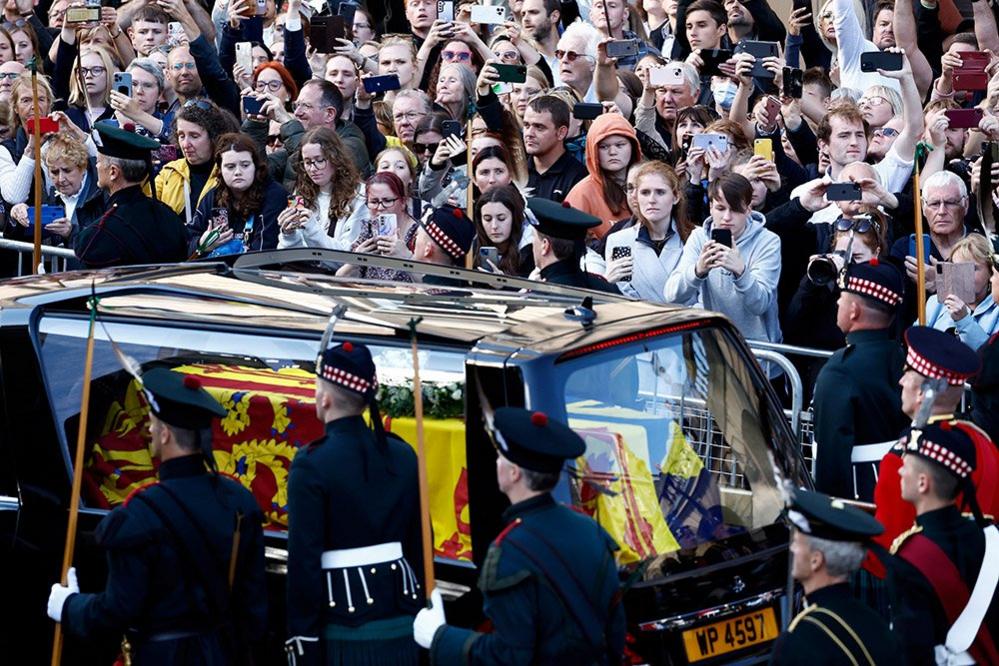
825 179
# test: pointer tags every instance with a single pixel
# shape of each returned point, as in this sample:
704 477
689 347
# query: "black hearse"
685 441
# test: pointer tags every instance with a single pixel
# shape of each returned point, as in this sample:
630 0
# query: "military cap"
533 441
939 355
451 229
120 143
818 515
350 366
559 220
947 446
875 279
180 400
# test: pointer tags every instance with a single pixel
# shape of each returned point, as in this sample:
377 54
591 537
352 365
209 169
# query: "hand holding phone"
722 236
843 192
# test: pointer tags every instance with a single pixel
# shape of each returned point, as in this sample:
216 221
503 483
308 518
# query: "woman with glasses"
324 198
400 161
142 108
182 183
240 213
272 80
388 231
977 320
91 102
500 223
427 137
879 104
641 257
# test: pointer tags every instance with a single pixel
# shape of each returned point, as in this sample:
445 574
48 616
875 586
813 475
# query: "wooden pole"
469 199
421 454
74 498
36 254
920 264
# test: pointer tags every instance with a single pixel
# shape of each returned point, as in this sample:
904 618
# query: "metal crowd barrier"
54 259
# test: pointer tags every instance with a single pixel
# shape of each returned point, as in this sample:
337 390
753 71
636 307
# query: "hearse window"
268 386
676 455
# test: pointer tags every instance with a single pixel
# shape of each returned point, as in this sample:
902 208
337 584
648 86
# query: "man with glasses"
319 104
577 59
858 412
9 72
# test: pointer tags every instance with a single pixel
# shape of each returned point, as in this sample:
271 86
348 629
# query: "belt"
162 636
868 453
359 557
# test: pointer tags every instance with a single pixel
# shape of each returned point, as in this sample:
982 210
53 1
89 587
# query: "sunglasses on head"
860 224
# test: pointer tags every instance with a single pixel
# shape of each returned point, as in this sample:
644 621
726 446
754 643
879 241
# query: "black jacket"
264 229
560 177
568 273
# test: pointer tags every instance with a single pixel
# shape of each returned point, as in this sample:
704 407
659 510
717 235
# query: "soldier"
857 408
559 244
174 586
549 579
933 354
133 229
444 238
827 547
354 551
943 579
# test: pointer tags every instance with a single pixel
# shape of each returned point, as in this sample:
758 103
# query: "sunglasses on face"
861 224
569 56
420 148
887 132
459 56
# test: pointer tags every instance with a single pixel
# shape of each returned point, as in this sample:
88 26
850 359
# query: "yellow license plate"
729 635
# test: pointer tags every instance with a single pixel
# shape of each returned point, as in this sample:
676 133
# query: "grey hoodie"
750 300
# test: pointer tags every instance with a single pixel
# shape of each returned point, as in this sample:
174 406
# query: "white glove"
59 594
429 620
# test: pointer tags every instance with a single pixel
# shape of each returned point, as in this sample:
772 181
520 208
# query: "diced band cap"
939 355
874 279
944 444
349 366
450 229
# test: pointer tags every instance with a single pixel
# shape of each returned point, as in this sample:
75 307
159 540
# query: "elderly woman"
977 320
455 89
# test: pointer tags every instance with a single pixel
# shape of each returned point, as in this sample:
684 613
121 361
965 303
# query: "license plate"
729 635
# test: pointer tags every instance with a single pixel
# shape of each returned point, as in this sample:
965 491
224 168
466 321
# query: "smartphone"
347 11
122 83
261 8
50 214
445 10
843 192
388 224
175 31
670 75
586 110
45 126
622 48
793 85
324 31
712 58
488 14
244 56
963 118
377 84
926 247
971 74
957 279
771 107
759 50
252 105
82 14
511 73
764 148
488 255
722 236
620 251
452 128
872 61
706 140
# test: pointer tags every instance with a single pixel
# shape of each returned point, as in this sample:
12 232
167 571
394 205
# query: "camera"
824 269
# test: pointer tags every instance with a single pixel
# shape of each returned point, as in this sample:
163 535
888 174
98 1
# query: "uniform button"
373 570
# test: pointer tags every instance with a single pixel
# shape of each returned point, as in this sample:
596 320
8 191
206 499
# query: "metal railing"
54 259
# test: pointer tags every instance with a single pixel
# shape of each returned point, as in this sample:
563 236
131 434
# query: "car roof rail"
282 258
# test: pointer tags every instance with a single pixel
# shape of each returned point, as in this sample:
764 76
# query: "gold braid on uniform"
850 631
805 616
900 539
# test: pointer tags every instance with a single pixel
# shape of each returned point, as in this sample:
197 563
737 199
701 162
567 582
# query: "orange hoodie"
588 194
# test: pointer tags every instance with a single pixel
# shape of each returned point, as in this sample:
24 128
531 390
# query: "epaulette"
900 539
137 491
506 530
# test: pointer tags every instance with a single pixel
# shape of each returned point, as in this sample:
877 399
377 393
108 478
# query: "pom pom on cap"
192 382
540 419
347 347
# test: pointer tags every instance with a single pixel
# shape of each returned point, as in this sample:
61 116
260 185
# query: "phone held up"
722 236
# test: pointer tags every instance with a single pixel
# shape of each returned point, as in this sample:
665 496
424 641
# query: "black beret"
533 441
180 400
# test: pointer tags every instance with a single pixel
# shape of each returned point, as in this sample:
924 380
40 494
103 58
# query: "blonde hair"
24 81
78 96
66 148
976 246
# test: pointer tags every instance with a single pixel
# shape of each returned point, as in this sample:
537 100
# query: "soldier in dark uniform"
943 577
560 242
173 587
355 564
827 547
858 412
134 229
549 579
445 236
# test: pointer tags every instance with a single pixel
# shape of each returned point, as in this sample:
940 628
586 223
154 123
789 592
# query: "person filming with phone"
731 264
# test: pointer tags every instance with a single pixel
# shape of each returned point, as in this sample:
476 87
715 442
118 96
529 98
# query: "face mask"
725 94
